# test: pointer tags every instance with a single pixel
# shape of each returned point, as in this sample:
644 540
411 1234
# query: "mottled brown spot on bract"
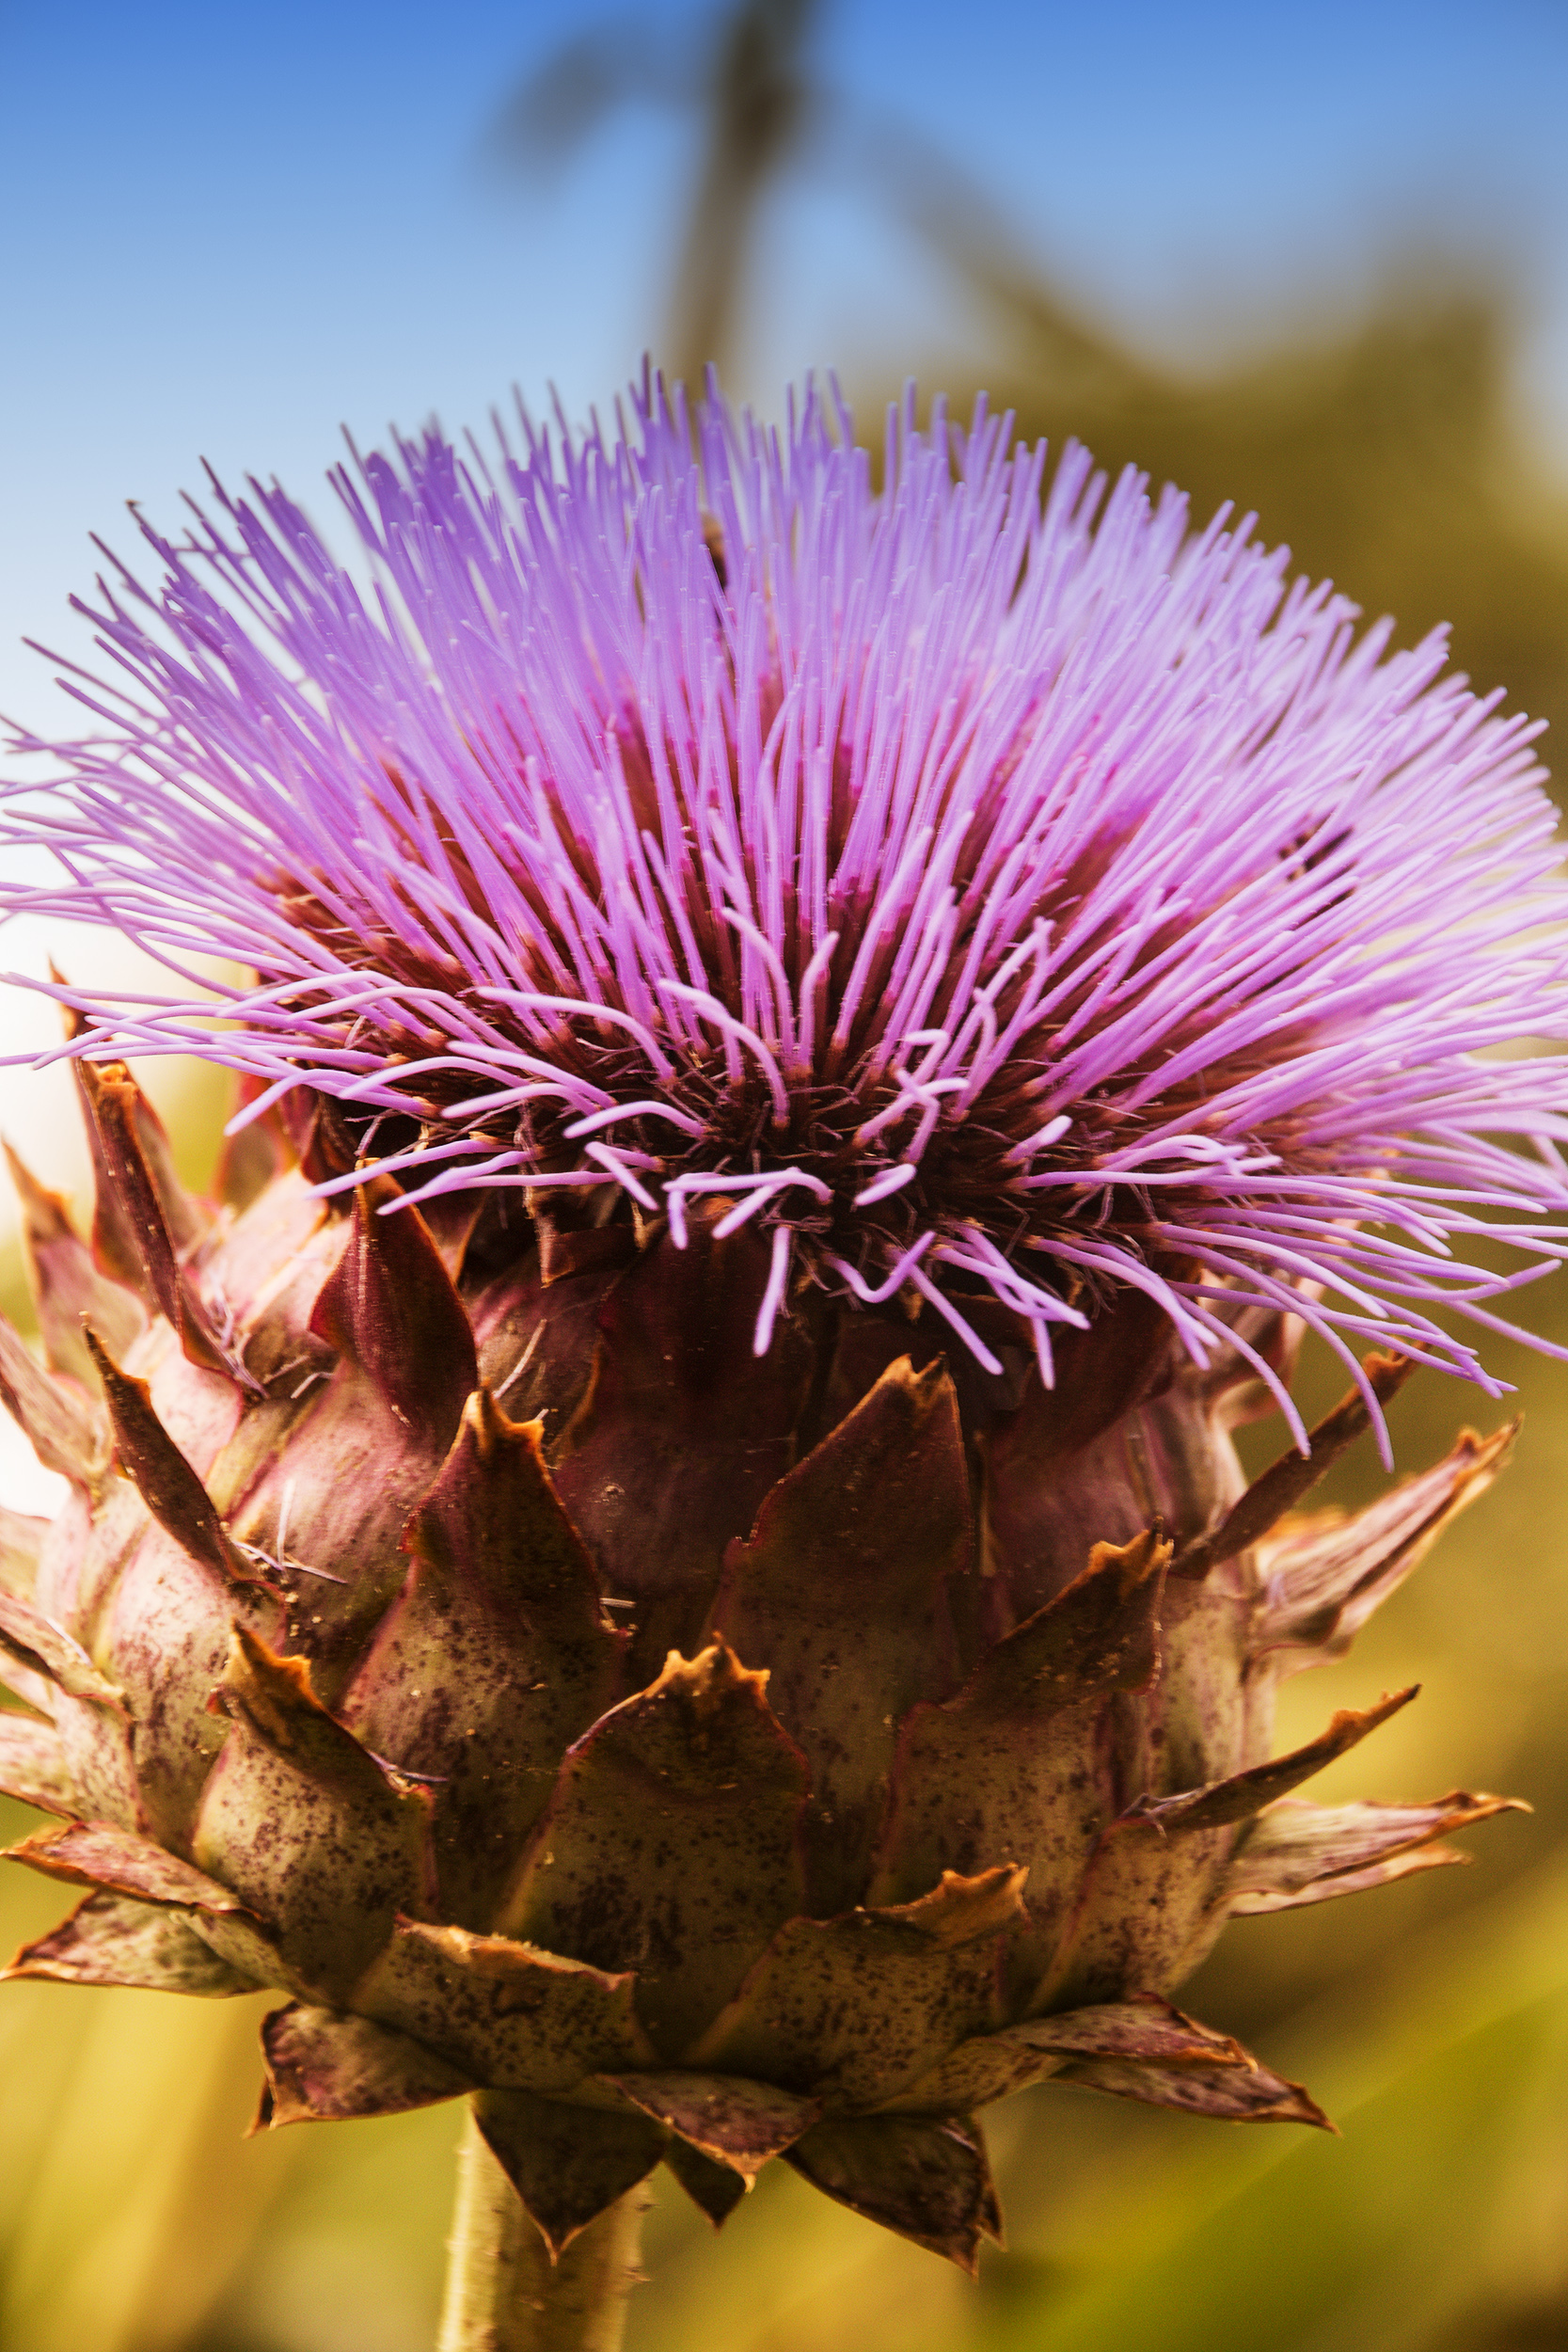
1296 1853
513 2017
1252 2093
1014 1768
66 1428
157 1226
723 2116
35 1643
871 1526
92 1853
317 1836
682 1432
162 1477
927 2177
33 1764
856 2009
1157 1873
994 2065
111 1940
567 2164
327 2067
669 1845
494 1657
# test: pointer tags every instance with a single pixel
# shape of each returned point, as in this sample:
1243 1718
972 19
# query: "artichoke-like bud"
672 1558
697 1757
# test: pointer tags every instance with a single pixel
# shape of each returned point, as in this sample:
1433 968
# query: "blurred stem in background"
757 107
1385 455
749 83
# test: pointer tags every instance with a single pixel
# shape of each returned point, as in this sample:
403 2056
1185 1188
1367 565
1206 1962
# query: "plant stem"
504 2293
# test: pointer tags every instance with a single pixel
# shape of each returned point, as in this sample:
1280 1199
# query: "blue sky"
226 230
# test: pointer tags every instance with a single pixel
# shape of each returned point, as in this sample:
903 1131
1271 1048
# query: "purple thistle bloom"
986 884
782 1738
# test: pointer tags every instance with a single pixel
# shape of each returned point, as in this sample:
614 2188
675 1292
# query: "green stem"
504 2293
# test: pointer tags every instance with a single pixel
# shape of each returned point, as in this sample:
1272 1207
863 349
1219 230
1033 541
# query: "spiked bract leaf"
943 1839
671 1561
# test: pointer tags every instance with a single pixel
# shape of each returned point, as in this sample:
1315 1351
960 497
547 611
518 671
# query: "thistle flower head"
975 889
983 883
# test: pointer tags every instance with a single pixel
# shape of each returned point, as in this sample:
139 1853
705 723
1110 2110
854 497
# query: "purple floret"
985 884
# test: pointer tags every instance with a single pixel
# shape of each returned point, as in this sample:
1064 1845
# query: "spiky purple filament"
983 898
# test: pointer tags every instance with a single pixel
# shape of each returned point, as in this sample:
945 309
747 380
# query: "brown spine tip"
390 1306
96 1854
1226 1801
706 1682
1326 1577
925 2176
1248 2094
959 1908
274 1692
326 2066
274 1696
1287 1481
162 1477
725 2118
155 1226
494 1522
568 2165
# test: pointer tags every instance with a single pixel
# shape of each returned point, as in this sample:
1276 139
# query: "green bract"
694 1755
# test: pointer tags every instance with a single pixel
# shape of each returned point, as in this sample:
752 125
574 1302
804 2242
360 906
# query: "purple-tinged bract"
982 882
637 1639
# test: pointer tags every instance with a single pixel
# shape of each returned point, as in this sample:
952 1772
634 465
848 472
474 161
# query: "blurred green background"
1430 2018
